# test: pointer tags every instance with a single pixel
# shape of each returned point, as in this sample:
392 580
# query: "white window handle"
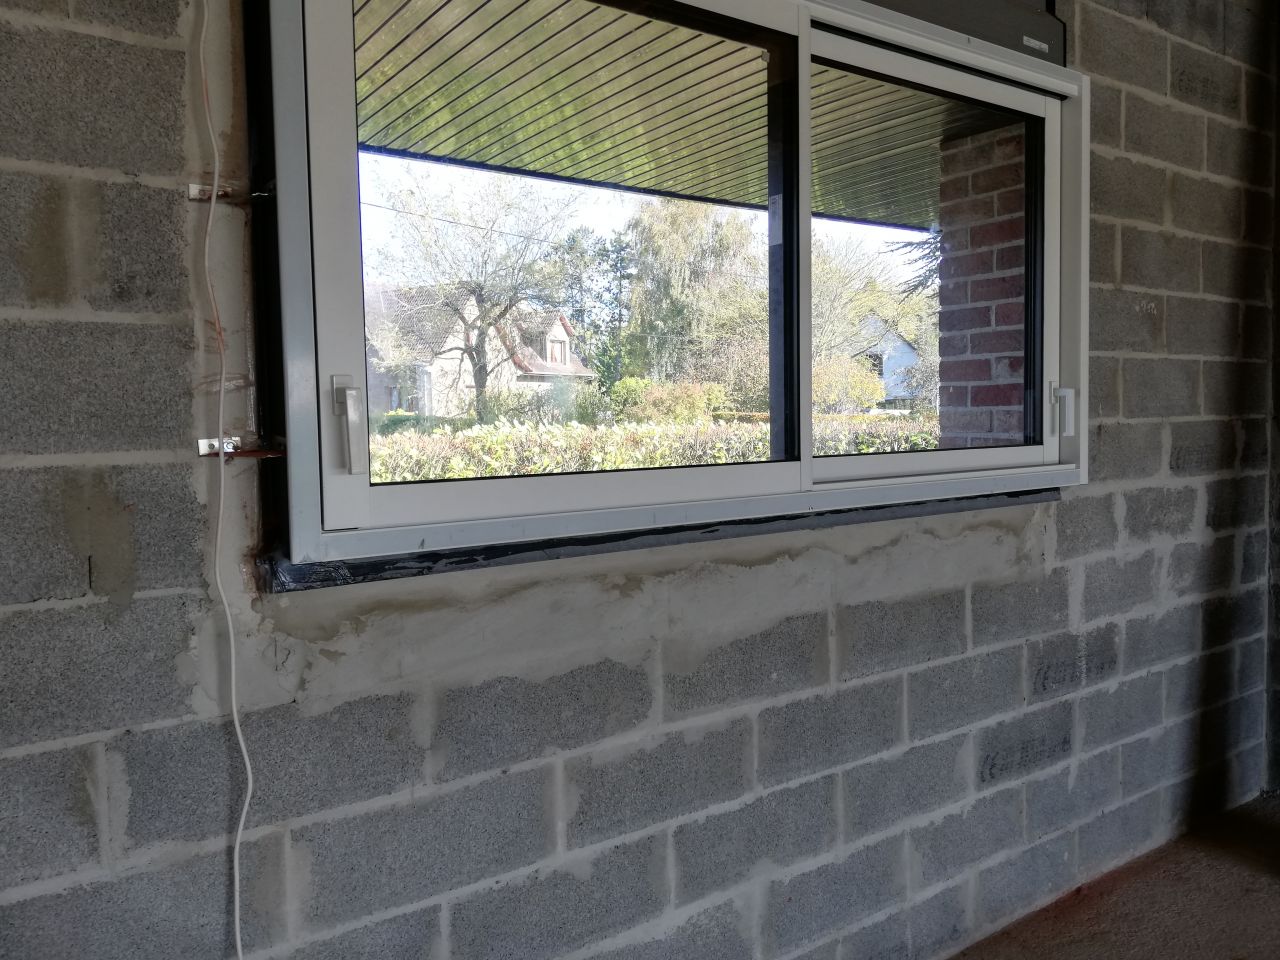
348 403
1064 399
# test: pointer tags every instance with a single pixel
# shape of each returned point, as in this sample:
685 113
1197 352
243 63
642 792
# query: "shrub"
637 400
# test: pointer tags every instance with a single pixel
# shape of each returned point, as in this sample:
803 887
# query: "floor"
1212 895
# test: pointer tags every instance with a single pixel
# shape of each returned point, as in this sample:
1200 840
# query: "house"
891 357
417 362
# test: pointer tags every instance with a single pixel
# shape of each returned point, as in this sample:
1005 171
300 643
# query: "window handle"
1064 399
348 404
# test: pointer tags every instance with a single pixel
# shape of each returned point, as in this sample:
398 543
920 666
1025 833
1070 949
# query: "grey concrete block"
402 854
1248 28
1118 835
885 939
1242 273
1238 502
1157 511
945 849
720 933
883 792
884 635
1161 388
1075 794
1121 50
1035 740
1199 21
1127 189
48 817
1166 133
1202 567
1111 715
617 792
1161 261
1203 446
1106 117
1203 327
1234 618
779 828
89 101
143 16
1063 663
1239 153
1032 877
833 896
940 924
1085 525
1160 637
1256 332
37 559
1255 449
1169 753
1251 665
503 721
176 911
34 253
558 911
1125 451
184 783
812 735
1104 385
410 936
1198 683
38 360
1126 320
1206 207
790 655
1235 389
78 670
960 692
141 250
1023 608
1113 586
1204 80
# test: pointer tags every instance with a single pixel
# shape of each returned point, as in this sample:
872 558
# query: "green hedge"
504 449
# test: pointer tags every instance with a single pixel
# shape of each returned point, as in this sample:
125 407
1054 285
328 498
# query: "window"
653 264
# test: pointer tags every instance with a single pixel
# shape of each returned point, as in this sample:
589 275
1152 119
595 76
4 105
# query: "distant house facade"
891 357
417 361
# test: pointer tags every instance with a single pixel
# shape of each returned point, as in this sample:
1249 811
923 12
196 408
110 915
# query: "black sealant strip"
283 576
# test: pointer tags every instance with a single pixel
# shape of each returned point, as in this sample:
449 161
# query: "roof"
579 90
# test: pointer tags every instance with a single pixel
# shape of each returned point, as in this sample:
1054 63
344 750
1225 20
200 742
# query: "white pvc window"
561 269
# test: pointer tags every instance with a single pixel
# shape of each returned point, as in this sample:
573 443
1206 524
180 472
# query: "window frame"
334 515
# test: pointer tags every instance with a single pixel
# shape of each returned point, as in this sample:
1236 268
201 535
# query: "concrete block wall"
883 740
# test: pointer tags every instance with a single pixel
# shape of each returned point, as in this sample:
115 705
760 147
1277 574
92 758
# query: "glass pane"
919 269
565 232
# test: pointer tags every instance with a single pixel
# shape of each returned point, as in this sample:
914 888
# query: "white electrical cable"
220 339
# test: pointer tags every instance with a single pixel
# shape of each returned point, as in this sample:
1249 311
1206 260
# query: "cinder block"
790 655
1075 794
1114 586
78 670
182 787
177 911
1035 740
1202 567
1199 683
618 792
1104 385
1242 273
1254 455
885 939
808 736
1203 446
48 820
37 559
1161 388
828 951
1023 608
34 254
1248 29
779 828
1166 133
1009 889
38 360
1125 451
143 16
1251 665
1160 637
1103 262
1169 753
409 936
1106 116
1238 502
558 911
1085 525
946 848
1127 320
1234 389
1239 153
882 792
940 924
1203 327
1232 725
1111 715
91 102
720 933
1118 835
1204 80
1199 21
960 692
1126 189
1121 50
835 895
1157 511
141 247
503 721
1063 663
884 635
1161 261
1234 618
402 854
